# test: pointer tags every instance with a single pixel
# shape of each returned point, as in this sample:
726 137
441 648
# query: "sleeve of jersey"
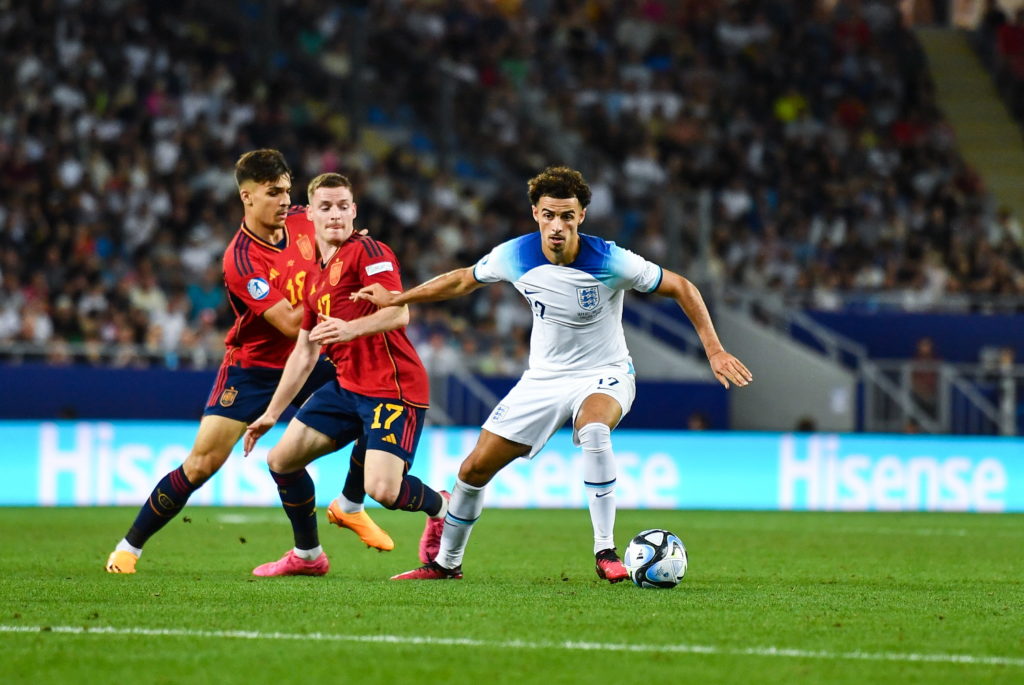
633 271
248 278
381 267
497 265
308 317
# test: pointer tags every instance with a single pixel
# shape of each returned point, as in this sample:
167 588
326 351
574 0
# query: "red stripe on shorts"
410 429
218 387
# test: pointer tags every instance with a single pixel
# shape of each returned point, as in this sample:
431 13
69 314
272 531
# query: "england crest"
588 298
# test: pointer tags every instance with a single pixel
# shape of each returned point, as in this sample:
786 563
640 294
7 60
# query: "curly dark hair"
559 182
262 166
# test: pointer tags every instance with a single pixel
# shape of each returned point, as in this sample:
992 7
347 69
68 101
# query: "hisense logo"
823 478
101 463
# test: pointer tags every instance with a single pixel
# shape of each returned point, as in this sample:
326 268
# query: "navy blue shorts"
389 424
243 394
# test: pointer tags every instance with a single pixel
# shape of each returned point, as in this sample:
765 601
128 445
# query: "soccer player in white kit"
579 365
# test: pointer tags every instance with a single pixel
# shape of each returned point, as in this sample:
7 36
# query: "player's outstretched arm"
332 330
285 318
444 287
296 370
726 367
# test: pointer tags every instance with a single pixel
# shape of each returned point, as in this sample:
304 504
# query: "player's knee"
473 473
384 492
200 466
595 437
279 460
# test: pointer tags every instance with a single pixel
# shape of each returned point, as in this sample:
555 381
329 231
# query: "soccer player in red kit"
380 391
268 266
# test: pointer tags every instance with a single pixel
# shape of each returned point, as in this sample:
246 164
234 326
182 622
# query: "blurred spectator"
698 421
814 135
439 358
912 427
806 424
924 376
207 293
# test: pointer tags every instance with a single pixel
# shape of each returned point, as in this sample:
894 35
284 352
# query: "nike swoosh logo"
530 292
603 494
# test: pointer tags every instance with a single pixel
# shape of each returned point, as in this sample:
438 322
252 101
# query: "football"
656 559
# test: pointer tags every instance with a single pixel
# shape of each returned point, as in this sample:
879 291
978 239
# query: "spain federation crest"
335 273
305 247
588 298
227 398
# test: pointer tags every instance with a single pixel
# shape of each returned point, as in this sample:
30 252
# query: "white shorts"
542 401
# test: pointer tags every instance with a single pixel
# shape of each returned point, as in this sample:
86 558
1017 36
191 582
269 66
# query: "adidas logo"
390 437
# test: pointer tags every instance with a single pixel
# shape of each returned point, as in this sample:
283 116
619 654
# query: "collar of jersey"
264 243
323 264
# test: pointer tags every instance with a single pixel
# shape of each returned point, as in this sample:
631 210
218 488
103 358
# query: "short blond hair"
328 180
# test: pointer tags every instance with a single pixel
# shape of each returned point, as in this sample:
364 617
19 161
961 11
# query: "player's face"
559 219
267 203
332 211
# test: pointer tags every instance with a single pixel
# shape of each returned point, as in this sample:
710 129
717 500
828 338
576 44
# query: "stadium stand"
761 146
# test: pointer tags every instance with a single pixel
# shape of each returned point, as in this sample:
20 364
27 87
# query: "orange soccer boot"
362 525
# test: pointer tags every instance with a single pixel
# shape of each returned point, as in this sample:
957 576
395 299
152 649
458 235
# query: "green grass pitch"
768 598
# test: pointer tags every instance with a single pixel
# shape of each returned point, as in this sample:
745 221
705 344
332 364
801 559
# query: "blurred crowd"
769 145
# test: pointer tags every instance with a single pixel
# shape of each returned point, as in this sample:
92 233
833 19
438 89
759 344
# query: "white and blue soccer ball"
656 558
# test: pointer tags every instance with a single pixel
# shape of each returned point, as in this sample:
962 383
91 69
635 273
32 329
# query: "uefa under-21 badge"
588 297
379 267
258 288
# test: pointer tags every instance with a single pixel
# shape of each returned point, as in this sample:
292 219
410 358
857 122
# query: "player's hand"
331 330
256 430
728 368
375 293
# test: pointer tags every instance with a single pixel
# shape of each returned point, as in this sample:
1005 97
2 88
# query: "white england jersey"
577 308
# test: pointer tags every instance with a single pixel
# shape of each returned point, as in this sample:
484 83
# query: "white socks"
463 510
443 511
125 547
347 505
599 477
309 554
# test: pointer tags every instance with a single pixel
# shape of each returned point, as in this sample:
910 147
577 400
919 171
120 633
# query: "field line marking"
523 644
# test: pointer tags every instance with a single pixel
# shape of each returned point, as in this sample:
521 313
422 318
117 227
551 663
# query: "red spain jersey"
258 275
381 365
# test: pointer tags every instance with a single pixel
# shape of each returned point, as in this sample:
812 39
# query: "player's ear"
583 215
309 212
246 196
355 210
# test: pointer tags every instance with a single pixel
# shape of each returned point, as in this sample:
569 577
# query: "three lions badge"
588 298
